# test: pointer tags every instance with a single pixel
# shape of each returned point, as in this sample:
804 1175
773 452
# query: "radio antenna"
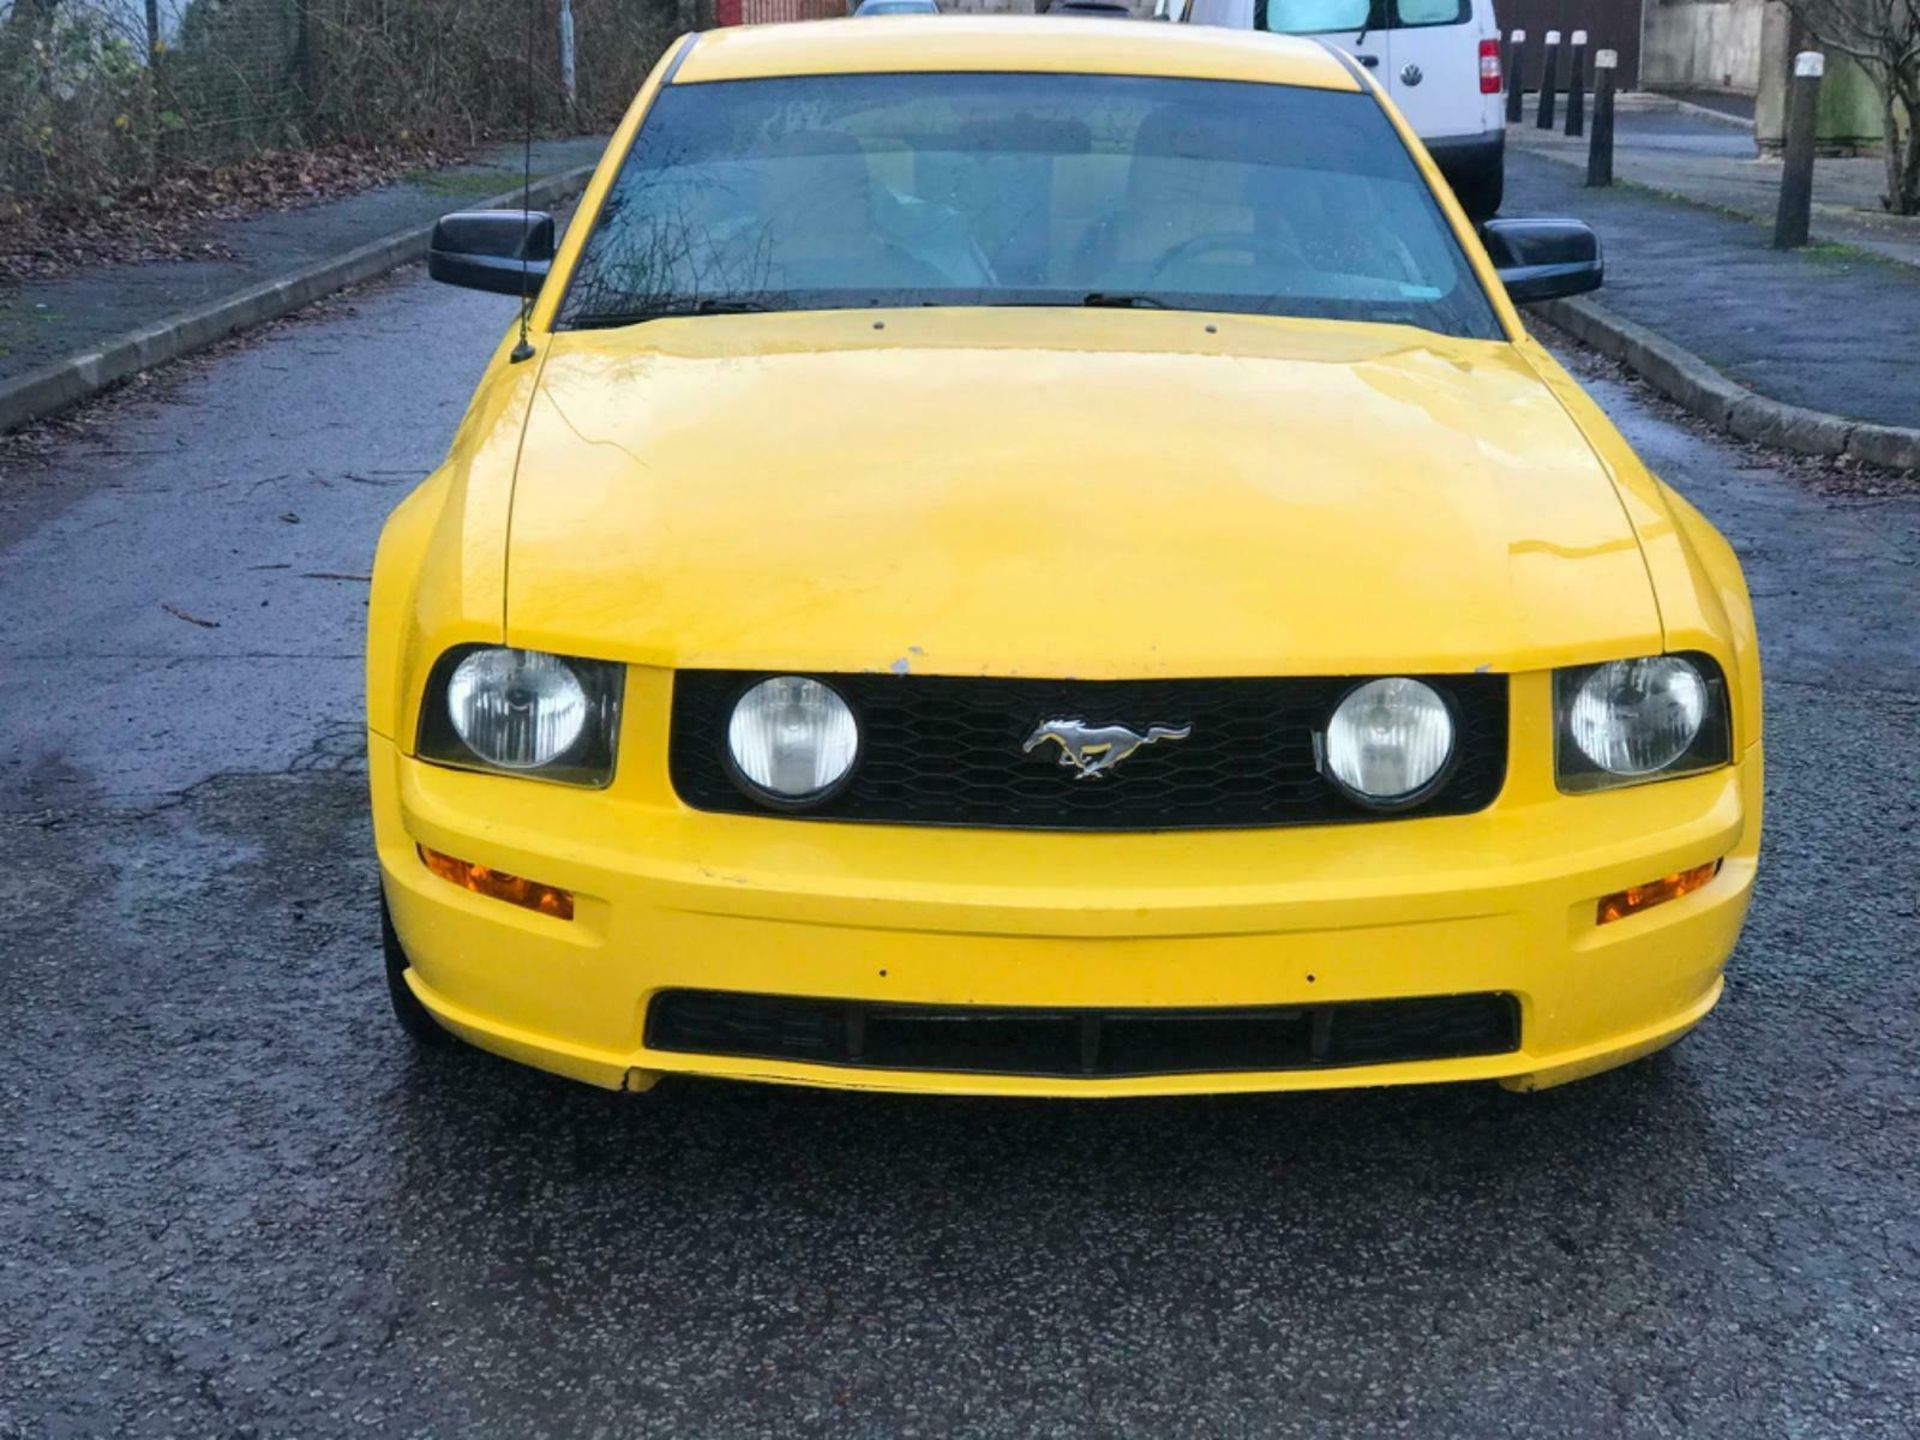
524 350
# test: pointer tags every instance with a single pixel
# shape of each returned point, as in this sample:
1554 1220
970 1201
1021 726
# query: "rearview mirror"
1544 259
497 250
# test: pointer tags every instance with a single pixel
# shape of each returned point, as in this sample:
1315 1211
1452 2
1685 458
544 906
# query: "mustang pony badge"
1092 750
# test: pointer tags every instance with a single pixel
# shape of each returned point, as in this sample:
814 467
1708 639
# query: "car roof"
888 44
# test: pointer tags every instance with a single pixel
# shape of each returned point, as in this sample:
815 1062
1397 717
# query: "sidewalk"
280 259
1710 160
1832 332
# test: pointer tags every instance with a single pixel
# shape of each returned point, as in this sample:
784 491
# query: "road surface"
234 1202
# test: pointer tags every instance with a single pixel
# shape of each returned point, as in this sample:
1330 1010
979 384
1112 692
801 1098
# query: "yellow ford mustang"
1032 557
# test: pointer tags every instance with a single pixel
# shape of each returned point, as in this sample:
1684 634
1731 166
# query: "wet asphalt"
234 1201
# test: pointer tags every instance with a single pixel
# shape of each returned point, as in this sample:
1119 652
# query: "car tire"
414 1017
1480 194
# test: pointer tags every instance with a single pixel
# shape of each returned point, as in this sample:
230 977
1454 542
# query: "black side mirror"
1544 259
496 250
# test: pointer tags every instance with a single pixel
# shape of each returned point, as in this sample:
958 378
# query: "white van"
1438 59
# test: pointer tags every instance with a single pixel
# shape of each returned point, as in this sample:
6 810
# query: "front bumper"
1499 901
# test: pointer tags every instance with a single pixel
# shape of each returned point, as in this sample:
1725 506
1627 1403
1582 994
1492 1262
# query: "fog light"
1388 740
1636 898
793 738
531 894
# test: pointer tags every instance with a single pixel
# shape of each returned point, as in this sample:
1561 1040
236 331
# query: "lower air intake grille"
1086 1043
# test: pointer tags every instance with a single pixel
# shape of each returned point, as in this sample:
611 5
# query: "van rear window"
1343 17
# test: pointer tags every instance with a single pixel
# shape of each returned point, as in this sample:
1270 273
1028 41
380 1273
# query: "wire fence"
102 98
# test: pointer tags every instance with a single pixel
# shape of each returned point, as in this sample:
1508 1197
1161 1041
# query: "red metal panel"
772 12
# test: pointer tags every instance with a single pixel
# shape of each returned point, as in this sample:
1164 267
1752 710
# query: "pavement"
1710 160
1826 328
44 321
234 1202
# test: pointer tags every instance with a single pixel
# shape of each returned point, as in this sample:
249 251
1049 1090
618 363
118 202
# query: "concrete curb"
65 383
1707 112
1686 379
1704 112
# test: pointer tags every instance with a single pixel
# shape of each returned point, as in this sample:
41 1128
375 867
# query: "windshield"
843 191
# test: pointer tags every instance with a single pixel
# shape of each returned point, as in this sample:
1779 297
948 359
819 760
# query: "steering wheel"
1212 242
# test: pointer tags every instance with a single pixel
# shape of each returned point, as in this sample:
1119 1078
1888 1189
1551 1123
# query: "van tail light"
1489 67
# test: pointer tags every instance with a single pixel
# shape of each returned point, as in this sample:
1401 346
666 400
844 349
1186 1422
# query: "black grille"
942 750
1092 1043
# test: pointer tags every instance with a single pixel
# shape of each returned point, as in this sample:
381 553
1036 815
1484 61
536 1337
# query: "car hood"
1062 493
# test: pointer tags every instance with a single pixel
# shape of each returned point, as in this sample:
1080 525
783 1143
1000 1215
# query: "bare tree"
1884 37
31 16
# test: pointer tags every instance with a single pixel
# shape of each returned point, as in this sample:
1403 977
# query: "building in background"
1739 47
1703 45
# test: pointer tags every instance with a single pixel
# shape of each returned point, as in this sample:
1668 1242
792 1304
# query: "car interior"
1133 196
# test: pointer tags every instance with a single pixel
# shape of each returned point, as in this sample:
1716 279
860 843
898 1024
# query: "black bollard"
1796 183
1549 78
1600 146
1515 71
1577 86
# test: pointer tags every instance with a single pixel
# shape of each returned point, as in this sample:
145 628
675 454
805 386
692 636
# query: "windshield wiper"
1097 300
1109 300
709 305
721 305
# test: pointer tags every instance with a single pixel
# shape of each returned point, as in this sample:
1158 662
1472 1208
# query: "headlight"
518 709
1642 719
488 707
1388 740
792 739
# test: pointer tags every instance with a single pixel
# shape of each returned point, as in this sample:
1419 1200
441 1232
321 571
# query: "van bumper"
1468 157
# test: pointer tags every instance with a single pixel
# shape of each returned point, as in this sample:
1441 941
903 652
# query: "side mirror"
490 250
1544 259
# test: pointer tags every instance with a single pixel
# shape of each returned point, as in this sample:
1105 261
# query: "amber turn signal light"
531 894
1636 898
